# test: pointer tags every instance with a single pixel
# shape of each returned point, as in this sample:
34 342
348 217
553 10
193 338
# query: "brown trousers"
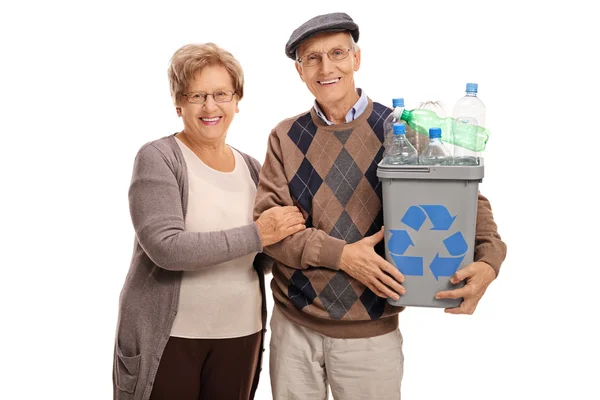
206 369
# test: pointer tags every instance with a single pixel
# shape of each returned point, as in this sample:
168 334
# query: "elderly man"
331 325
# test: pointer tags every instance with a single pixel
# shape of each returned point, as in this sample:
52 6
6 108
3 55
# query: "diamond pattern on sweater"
343 177
332 211
372 178
300 291
375 120
337 185
373 304
345 229
364 206
323 151
338 296
343 136
302 132
305 184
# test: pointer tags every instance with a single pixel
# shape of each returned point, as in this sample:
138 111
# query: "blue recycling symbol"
442 220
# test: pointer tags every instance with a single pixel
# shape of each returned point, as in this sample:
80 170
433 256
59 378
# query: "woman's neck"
215 154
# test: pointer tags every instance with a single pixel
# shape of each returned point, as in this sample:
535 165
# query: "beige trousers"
303 363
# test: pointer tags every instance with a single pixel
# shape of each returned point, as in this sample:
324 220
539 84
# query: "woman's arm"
157 215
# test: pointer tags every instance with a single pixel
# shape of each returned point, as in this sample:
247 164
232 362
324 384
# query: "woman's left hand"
277 223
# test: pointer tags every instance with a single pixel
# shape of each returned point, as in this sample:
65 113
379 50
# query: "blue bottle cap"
471 88
435 133
399 102
399 129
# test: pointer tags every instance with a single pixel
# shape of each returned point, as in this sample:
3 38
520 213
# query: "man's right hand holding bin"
360 261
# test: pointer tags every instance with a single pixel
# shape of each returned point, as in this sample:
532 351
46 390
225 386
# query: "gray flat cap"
334 22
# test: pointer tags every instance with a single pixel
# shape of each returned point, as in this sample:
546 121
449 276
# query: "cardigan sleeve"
158 220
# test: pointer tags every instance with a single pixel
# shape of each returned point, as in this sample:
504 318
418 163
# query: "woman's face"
210 120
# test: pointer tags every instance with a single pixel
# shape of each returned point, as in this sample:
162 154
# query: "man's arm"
313 247
489 247
490 251
310 247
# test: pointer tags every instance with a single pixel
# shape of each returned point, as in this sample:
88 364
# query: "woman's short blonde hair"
191 58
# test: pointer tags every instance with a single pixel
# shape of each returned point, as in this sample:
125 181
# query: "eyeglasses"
315 58
200 97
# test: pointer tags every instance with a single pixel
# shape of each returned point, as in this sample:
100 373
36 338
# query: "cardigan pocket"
127 371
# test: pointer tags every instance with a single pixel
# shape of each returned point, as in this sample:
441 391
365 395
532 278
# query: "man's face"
330 81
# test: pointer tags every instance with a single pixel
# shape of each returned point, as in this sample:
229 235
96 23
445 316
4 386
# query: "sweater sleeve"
489 247
309 248
157 216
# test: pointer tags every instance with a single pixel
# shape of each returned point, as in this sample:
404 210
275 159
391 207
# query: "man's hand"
360 261
479 275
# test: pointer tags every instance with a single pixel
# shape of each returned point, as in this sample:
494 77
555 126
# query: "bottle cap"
399 129
435 133
398 102
471 88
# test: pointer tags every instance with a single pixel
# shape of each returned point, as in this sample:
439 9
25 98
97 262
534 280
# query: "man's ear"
299 69
178 109
356 55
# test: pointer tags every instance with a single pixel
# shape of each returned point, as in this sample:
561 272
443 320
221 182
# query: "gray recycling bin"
429 215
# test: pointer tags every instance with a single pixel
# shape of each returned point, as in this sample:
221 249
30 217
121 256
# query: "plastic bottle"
469 110
401 152
468 136
388 123
435 153
436 106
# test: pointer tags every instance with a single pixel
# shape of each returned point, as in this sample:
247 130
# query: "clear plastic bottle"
438 107
435 153
388 123
469 110
401 152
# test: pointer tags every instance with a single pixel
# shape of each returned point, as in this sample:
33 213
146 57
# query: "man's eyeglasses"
315 58
200 97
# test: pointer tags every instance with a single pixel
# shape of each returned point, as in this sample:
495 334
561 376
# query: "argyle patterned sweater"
330 173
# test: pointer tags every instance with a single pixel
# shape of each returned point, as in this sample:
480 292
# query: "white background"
83 85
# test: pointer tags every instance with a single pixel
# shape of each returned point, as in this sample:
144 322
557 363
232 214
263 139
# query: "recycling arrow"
440 217
456 244
409 265
399 242
414 217
444 266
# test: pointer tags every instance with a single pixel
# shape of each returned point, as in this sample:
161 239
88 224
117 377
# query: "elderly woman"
192 312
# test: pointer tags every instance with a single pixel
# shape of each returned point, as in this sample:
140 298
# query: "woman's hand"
277 223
